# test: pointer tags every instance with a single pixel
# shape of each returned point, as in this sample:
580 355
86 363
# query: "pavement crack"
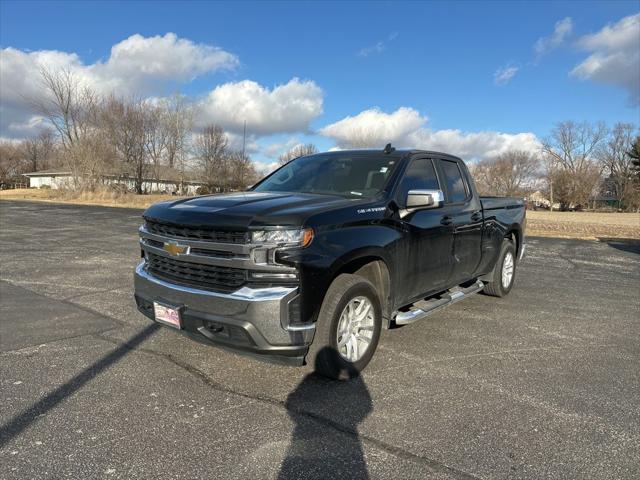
320 419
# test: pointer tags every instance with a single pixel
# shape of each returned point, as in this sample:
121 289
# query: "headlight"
298 237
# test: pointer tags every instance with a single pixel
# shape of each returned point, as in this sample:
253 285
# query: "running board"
423 308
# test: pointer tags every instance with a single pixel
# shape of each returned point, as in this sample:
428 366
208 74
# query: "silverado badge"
175 248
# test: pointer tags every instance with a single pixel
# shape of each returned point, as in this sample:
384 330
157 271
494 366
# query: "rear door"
464 211
425 256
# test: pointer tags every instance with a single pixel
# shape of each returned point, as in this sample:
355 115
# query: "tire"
496 287
326 356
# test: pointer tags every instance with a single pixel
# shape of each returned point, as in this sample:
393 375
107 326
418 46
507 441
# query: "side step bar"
423 308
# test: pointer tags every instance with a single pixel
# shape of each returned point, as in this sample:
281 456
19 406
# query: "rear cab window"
457 188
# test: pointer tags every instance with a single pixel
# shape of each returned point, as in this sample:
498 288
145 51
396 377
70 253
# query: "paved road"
542 384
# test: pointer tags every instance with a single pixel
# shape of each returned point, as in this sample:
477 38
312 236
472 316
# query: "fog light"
275 276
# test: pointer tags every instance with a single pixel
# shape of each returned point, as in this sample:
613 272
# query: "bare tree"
12 163
511 173
617 162
242 172
126 124
297 151
570 157
65 104
156 135
178 122
74 112
211 154
39 150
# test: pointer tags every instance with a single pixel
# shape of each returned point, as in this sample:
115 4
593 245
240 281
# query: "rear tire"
351 303
504 273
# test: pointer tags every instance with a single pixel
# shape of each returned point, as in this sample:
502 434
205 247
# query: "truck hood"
243 210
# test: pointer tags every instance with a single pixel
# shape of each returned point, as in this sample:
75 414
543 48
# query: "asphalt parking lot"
544 383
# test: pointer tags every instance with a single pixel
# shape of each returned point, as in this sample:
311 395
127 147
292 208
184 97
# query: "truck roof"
396 153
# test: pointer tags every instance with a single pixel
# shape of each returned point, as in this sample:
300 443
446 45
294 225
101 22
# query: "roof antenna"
388 148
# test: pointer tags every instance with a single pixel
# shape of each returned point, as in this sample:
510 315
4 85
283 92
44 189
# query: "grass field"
582 225
104 197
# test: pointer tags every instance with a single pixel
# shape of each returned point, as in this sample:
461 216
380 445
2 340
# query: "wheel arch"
375 269
515 234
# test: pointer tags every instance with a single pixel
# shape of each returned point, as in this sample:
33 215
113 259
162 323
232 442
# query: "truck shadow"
325 441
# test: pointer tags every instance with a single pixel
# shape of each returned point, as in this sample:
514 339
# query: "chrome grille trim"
244 249
199 234
206 277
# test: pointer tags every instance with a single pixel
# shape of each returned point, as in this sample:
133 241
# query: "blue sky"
438 60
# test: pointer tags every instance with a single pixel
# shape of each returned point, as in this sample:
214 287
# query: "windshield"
349 175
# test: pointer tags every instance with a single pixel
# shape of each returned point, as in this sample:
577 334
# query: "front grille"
197 275
193 233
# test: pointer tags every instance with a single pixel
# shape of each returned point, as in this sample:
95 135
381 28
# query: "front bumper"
248 320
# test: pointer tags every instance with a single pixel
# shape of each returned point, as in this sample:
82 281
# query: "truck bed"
496 203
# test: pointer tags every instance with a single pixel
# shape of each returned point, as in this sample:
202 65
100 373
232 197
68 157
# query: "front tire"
504 273
348 328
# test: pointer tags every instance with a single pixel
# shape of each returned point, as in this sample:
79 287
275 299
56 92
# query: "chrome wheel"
507 270
355 329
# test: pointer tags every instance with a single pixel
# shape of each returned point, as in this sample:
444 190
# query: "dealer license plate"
167 315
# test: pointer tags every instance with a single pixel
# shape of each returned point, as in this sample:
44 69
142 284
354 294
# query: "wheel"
504 274
347 329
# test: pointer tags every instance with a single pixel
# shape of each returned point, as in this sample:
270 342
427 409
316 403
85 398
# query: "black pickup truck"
314 260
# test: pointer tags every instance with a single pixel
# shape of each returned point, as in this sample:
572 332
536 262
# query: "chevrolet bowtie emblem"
175 249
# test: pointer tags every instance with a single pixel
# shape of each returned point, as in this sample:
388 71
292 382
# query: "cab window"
420 175
454 180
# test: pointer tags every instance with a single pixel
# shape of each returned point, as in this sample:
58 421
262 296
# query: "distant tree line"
92 136
578 165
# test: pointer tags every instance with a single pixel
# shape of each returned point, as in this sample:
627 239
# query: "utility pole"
244 137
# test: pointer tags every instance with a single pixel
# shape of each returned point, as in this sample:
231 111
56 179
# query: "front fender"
332 252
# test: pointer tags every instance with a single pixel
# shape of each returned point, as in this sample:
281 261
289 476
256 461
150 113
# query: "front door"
427 245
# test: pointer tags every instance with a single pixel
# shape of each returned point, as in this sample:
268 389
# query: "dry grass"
103 197
584 225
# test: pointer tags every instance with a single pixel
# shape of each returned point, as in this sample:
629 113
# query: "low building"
169 180
48 178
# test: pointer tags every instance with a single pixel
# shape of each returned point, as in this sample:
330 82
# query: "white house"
170 181
48 178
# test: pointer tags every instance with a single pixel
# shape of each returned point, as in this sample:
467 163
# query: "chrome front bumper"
250 319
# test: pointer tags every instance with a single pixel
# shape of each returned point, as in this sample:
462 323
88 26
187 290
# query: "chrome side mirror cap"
424 199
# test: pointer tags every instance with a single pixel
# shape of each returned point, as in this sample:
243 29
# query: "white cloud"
285 108
274 150
504 75
406 128
265 169
236 140
379 47
562 29
136 66
615 56
374 125
139 59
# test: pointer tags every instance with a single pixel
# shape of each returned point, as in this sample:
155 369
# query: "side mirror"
424 199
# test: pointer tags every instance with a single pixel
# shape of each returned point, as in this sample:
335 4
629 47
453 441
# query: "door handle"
475 216
446 220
